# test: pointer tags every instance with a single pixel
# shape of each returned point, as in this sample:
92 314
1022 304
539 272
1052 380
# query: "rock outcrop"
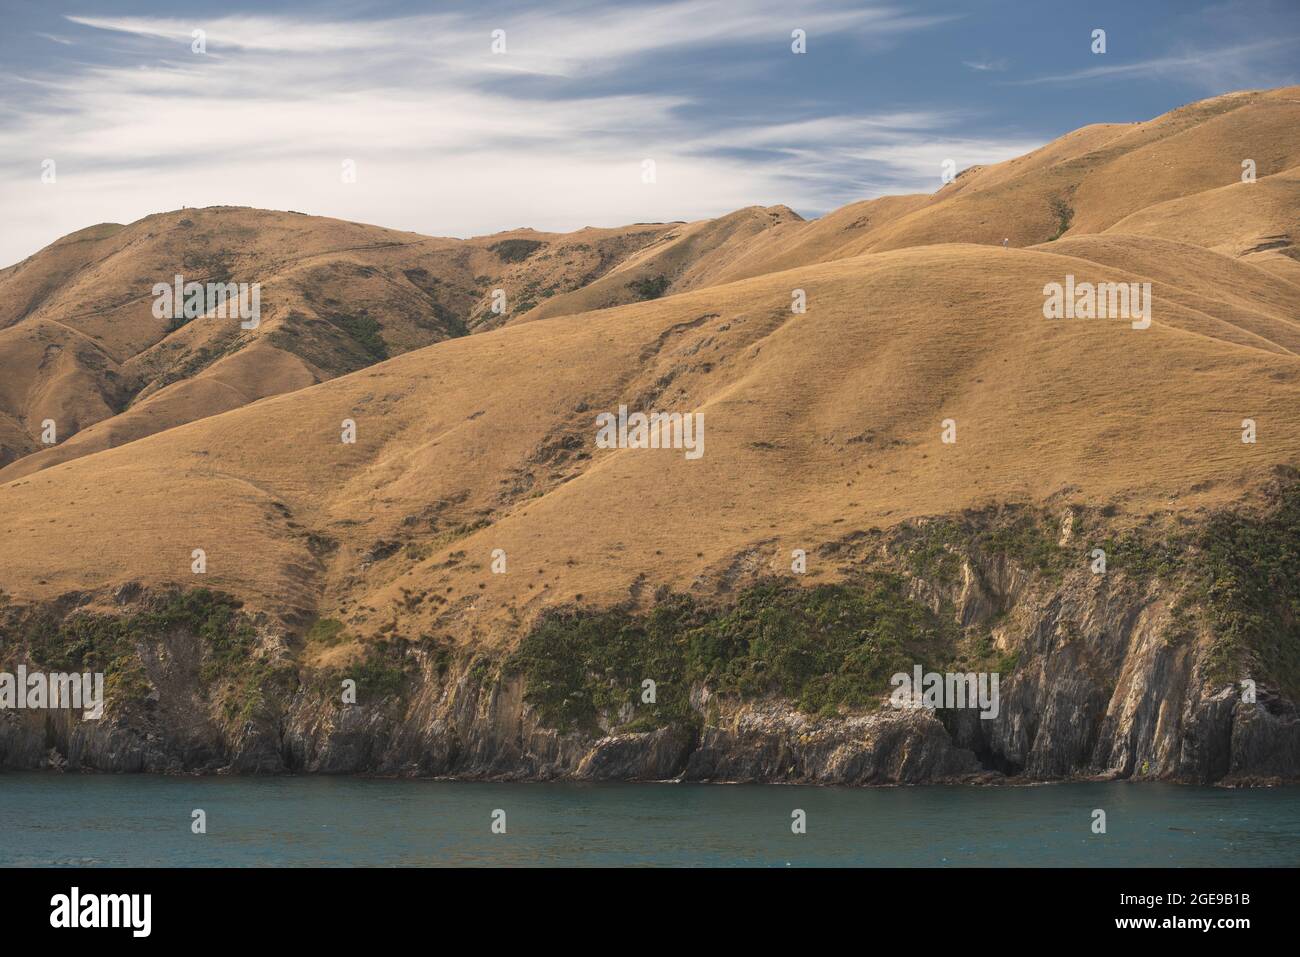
1101 676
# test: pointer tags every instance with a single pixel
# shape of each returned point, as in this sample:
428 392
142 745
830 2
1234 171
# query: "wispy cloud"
447 137
451 138
1222 68
985 66
579 39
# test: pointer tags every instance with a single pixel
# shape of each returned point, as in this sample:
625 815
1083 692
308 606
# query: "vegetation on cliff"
230 671
823 647
834 646
826 648
1249 578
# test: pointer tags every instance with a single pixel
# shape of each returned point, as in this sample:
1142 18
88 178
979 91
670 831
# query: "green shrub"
1250 582
1064 213
229 669
649 288
516 250
326 631
365 331
824 648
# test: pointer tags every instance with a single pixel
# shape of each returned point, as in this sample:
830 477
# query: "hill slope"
833 417
1111 177
85 352
82 346
946 459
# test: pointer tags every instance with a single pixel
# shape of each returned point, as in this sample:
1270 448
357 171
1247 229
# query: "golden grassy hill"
1110 177
1100 177
817 425
1087 183
1254 221
80 344
82 349
689 256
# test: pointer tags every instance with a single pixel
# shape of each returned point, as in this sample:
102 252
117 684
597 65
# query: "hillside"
88 354
830 418
82 346
824 432
1144 178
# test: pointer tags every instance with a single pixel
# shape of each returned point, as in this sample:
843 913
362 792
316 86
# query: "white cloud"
582 38
444 142
985 66
1232 67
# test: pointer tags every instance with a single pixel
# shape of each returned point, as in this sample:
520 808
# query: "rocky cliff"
1175 660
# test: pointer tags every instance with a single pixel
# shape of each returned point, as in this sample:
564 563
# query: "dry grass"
817 425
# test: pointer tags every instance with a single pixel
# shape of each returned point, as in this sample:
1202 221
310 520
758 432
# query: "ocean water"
136 820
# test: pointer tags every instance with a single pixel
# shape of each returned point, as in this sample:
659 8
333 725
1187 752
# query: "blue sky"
450 138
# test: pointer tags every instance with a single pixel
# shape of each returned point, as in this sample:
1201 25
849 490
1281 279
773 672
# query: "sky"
552 129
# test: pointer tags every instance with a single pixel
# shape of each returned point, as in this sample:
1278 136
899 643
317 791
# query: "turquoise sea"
136 820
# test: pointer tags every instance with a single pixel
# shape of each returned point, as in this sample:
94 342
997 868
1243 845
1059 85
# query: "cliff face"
1149 725
1056 724
1133 673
